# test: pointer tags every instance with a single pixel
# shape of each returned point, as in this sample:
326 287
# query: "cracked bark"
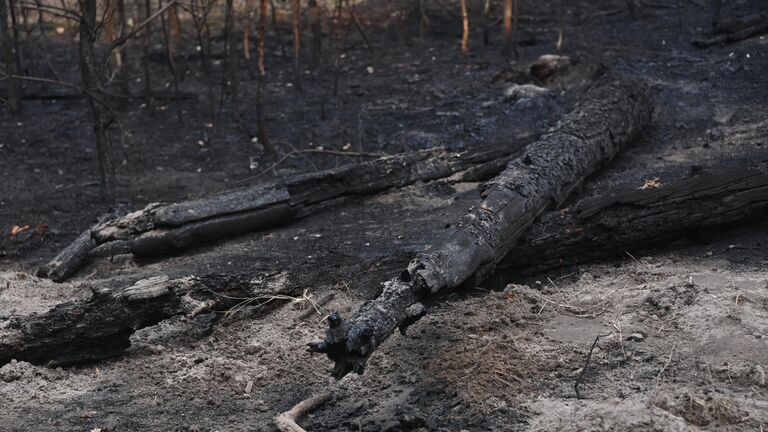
629 217
734 30
610 116
160 228
601 226
101 326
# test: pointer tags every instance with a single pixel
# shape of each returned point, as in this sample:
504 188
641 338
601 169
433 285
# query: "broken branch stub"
608 118
69 259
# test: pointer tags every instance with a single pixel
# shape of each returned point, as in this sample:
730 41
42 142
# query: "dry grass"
702 410
256 302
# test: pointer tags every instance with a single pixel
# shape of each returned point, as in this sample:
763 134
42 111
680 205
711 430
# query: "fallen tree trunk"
609 117
596 227
729 25
161 240
160 228
305 190
635 217
735 30
101 326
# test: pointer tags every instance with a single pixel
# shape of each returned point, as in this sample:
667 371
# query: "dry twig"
586 365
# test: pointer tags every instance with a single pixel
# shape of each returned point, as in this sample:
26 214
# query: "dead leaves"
21 233
18 229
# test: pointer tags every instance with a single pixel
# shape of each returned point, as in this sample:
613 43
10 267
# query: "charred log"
160 228
610 116
734 30
635 217
69 259
601 226
101 326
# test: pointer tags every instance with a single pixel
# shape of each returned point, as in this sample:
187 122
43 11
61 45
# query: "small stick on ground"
586 366
286 421
666 365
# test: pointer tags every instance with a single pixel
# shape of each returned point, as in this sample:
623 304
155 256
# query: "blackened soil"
479 361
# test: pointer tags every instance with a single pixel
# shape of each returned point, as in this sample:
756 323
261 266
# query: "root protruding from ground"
286 421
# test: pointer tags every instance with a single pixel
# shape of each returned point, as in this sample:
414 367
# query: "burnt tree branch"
610 116
634 217
160 228
600 226
101 326
735 30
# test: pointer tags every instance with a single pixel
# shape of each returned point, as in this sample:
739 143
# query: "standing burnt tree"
10 52
167 27
93 90
510 26
260 48
296 24
464 28
114 11
315 22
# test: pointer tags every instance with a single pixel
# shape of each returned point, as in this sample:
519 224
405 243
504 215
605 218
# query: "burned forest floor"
682 327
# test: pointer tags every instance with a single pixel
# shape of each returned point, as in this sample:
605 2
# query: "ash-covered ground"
684 327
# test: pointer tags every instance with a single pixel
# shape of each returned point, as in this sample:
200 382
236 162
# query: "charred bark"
162 240
632 217
68 260
160 228
610 116
101 326
593 228
734 30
